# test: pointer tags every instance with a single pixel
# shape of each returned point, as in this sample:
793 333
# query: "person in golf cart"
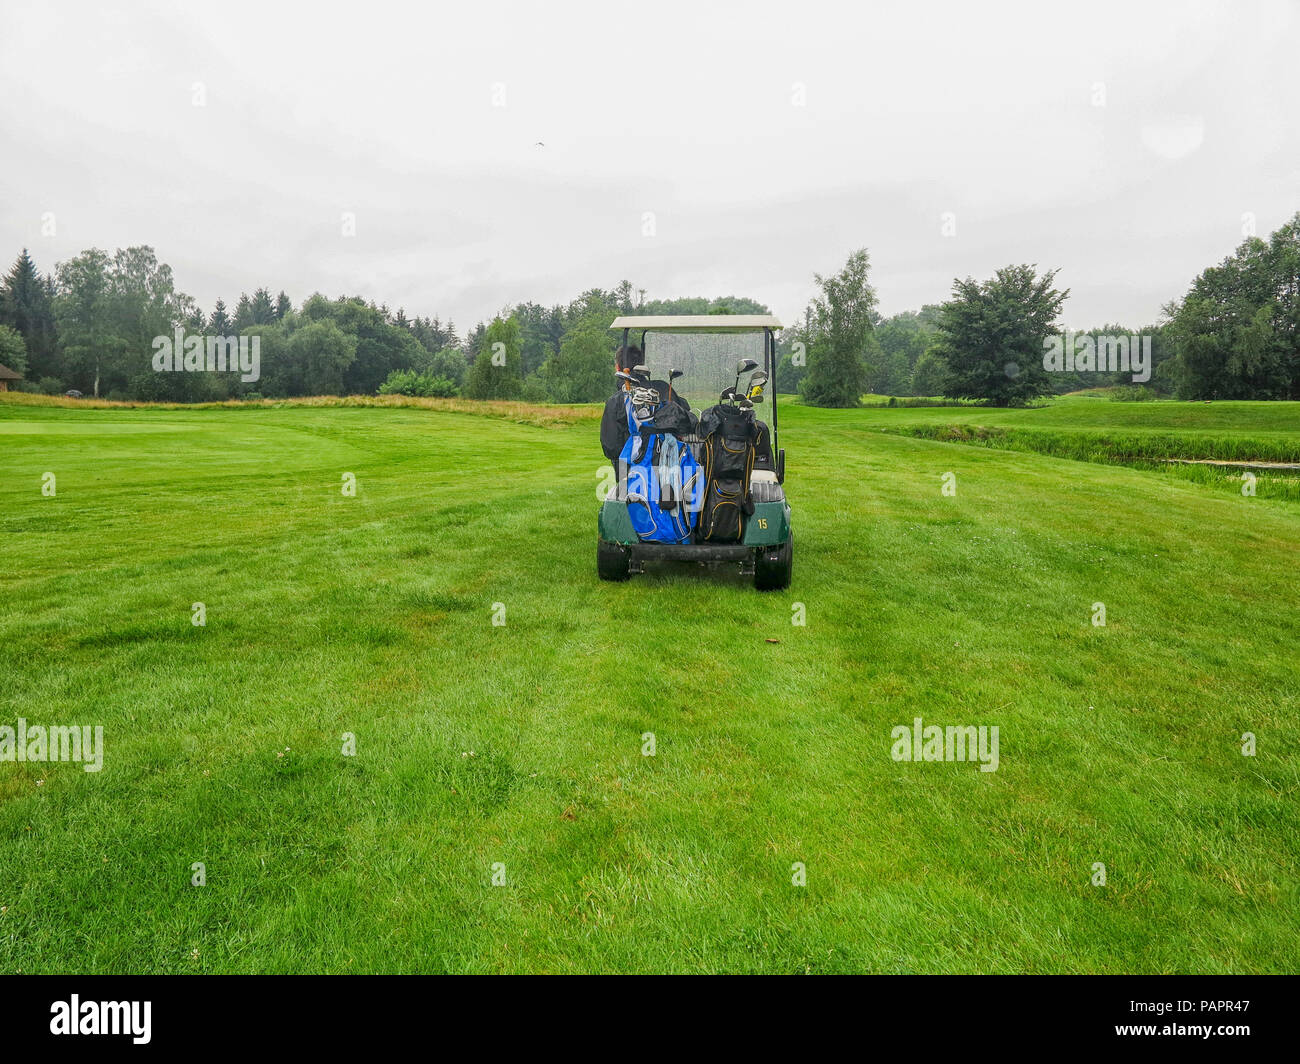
615 422
614 429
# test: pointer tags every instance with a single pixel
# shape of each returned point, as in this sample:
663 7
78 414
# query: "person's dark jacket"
613 426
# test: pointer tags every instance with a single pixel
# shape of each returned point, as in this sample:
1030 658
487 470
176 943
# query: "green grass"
373 615
1152 435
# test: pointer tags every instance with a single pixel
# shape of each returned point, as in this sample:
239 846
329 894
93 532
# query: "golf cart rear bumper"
767 527
691 552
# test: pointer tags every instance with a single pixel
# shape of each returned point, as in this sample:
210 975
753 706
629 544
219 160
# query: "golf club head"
673 374
743 367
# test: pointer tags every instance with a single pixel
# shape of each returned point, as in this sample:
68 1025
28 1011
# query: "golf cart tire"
613 561
772 569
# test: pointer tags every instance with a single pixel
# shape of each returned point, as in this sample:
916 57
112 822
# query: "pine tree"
16 295
219 324
44 359
243 314
26 306
263 310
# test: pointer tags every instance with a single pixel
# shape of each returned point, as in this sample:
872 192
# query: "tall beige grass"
541 414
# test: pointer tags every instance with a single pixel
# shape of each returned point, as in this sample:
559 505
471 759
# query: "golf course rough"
409 732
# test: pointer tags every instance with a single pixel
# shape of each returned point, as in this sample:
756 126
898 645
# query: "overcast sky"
1122 142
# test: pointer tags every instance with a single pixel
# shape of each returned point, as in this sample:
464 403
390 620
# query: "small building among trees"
7 375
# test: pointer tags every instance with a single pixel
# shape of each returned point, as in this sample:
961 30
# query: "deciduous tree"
842 319
991 335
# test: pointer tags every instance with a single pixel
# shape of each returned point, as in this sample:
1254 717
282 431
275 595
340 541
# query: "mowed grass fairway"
521 744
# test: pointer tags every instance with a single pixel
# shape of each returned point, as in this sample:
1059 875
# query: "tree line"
91 325
1234 335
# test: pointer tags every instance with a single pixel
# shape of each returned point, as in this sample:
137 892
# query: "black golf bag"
728 437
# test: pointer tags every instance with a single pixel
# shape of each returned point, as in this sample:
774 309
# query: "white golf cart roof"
698 322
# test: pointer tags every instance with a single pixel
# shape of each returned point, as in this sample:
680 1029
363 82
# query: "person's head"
627 357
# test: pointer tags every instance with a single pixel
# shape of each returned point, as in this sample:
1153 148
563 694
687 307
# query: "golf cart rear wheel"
772 568
613 561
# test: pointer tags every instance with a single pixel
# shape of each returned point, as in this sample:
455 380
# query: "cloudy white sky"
1122 142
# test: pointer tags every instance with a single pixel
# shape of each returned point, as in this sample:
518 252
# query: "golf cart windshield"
707 361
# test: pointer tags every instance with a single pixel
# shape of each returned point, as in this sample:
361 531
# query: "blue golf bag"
664 482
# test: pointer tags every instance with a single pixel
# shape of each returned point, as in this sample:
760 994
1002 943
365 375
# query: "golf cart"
698 477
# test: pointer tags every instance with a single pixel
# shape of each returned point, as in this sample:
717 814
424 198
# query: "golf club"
673 374
744 366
